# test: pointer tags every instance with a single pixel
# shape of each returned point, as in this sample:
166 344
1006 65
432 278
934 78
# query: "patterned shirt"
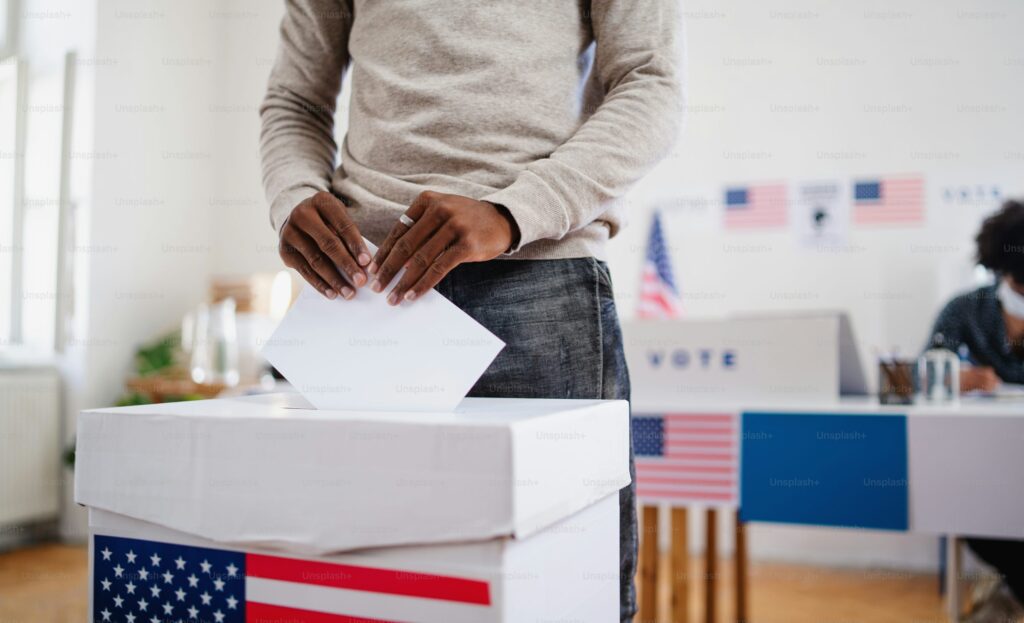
973 322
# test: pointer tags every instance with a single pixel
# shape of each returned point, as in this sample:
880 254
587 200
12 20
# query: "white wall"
810 90
247 43
149 228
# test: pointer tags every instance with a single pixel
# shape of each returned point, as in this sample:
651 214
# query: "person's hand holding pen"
978 378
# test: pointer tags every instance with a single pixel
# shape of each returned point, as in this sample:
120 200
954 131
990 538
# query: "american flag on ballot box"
687 457
140 581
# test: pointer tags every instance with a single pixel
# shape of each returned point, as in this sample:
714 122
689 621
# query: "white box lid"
266 471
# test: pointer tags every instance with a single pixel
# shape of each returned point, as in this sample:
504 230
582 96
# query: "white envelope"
363 354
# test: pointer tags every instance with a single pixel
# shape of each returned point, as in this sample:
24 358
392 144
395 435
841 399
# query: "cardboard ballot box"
239 509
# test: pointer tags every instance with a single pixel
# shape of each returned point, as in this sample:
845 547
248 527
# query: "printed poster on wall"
821 214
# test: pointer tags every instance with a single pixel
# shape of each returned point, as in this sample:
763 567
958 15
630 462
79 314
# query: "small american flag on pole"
888 200
659 297
687 457
142 581
756 206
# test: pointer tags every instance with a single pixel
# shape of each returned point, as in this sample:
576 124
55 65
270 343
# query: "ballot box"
258 509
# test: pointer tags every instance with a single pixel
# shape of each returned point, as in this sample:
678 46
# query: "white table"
965 464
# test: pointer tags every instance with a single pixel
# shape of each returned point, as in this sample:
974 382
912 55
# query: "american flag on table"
687 457
659 297
888 200
140 581
756 206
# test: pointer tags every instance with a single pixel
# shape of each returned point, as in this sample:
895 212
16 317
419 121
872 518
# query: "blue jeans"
562 336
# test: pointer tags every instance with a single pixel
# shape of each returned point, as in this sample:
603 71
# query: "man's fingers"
444 264
294 259
415 212
314 280
404 248
420 262
332 246
316 260
334 214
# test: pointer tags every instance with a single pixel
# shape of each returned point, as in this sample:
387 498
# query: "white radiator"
30 445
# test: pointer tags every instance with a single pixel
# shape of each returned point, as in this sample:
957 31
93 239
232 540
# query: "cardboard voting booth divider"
785 358
503 510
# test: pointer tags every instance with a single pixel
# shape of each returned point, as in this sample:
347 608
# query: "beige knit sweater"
552 108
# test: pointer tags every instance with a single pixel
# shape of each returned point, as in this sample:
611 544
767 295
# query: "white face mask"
1013 301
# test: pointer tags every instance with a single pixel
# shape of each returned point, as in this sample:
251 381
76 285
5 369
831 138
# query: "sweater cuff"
536 210
285 201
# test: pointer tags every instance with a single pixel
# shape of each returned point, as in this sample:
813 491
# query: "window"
11 83
7 21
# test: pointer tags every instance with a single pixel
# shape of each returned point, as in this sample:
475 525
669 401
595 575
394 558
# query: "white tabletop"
866 405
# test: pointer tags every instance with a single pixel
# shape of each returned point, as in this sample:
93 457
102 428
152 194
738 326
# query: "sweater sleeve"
638 63
297 146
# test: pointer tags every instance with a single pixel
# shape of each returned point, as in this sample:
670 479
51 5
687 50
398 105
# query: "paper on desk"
366 354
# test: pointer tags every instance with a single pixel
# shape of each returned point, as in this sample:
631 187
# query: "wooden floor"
785 593
44 584
47 584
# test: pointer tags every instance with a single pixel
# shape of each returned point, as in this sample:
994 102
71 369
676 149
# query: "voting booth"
803 357
264 509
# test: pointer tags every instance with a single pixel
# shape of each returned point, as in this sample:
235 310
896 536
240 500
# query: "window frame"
15 70
9 41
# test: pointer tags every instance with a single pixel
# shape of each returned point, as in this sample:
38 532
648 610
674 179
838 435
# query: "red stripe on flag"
702 469
701 456
652 492
369 579
700 482
701 443
697 430
256 612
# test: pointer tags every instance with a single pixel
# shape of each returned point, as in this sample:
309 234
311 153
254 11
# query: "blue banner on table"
824 469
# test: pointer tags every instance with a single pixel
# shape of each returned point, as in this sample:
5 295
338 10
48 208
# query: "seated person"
986 328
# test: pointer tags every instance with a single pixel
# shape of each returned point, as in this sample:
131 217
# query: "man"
488 144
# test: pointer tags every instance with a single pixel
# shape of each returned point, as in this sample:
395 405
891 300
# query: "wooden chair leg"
710 565
741 570
648 565
680 563
953 562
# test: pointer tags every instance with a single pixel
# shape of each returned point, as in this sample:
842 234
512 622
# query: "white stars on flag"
140 581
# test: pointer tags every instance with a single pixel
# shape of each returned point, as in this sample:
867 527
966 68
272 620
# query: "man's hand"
446 231
981 378
321 242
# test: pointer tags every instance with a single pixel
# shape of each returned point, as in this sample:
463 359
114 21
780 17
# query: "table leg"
710 565
680 567
741 570
953 578
648 565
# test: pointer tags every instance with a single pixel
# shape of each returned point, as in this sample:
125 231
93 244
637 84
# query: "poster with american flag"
143 581
659 297
684 458
756 206
888 200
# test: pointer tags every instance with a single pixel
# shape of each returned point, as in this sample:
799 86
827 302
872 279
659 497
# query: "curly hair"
1001 241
